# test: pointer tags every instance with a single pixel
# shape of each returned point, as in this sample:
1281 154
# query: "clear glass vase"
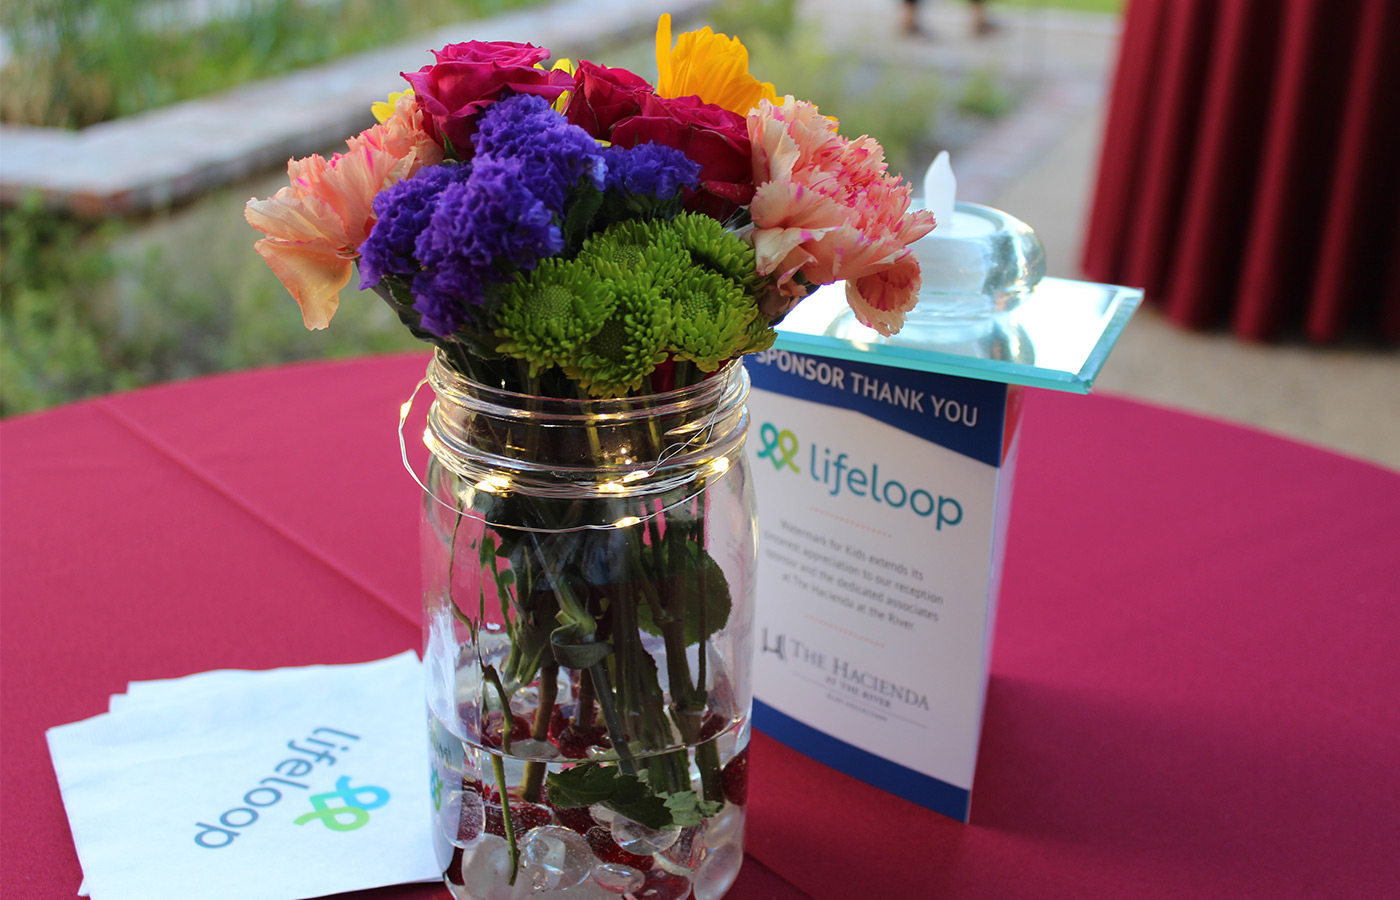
588 576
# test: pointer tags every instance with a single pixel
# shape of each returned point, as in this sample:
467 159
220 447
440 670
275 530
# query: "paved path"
177 152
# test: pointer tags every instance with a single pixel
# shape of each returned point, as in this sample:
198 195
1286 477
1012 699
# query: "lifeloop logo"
838 473
779 447
351 805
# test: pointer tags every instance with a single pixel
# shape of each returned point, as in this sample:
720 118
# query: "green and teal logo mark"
352 810
435 785
779 447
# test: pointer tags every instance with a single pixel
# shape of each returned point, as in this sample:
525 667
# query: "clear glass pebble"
486 869
662 885
634 837
725 826
533 749
586 891
616 878
558 853
718 872
686 854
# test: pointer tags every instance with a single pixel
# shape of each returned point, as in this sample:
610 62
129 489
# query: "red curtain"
1250 172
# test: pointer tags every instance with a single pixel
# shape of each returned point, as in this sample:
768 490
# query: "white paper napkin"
228 785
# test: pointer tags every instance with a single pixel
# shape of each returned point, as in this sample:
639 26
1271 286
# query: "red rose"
602 97
714 137
470 76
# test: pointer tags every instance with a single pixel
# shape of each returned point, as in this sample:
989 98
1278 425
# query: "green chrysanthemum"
635 249
631 343
546 317
759 336
711 318
713 248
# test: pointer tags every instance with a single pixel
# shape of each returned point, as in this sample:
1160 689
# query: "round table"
1192 690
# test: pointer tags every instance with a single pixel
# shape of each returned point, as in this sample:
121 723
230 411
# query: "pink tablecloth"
1192 694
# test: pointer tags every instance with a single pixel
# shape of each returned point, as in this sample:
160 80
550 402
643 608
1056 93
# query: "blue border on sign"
902 781
795 375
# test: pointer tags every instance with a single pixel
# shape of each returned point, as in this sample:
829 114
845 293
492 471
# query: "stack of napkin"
279 784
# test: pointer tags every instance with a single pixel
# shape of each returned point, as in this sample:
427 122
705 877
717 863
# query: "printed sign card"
883 496
281 785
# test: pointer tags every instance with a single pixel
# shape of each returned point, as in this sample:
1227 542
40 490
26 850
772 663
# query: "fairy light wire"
719 467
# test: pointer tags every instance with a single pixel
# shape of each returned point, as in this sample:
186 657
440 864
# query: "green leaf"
688 809
527 651
575 649
584 785
689 581
628 795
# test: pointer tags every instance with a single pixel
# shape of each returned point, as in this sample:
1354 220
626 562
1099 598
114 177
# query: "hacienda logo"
352 804
839 474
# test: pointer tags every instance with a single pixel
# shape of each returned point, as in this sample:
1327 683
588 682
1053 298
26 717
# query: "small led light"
638 475
626 522
494 484
719 465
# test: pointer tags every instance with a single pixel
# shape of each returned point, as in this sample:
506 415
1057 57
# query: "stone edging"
163 156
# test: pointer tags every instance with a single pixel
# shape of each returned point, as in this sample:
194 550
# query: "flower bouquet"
591 256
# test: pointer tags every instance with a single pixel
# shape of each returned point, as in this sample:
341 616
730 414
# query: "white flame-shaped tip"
941 191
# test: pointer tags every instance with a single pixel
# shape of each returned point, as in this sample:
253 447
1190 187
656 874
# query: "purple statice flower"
403 211
552 155
482 230
439 295
650 169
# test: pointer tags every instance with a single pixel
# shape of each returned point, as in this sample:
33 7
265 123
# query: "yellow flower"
713 67
567 66
385 108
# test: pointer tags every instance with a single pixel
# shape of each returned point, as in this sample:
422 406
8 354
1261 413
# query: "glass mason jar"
588 576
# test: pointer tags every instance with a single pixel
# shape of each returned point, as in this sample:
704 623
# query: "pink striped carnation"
315 225
826 209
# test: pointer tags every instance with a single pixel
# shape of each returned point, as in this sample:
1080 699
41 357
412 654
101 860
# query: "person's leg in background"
909 19
981 25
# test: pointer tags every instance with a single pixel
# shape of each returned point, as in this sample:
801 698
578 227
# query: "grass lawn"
74 63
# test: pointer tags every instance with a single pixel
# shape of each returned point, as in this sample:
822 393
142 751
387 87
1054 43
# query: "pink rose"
470 76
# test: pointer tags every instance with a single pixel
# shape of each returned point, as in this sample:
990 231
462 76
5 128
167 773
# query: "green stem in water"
498 768
602 688
451 565
533 779
584 715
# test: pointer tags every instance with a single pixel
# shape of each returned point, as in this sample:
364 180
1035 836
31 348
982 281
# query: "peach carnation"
315 225
826 209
